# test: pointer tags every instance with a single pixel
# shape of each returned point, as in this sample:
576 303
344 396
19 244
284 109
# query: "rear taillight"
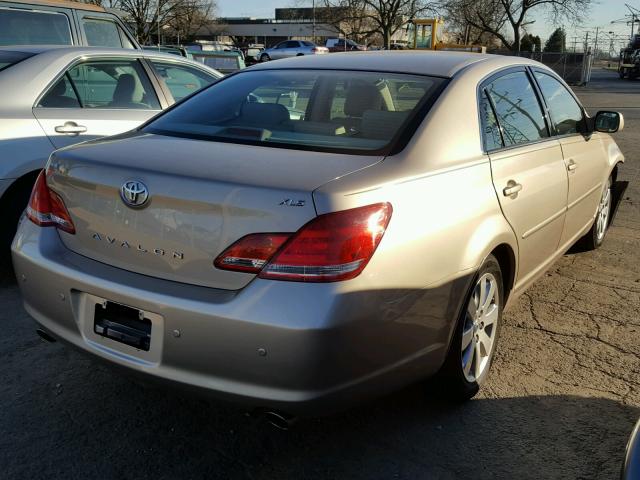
47 209
331 247
251 253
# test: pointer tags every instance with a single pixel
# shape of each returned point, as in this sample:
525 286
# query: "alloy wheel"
480 327
604 209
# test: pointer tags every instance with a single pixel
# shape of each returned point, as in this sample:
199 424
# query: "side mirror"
608 122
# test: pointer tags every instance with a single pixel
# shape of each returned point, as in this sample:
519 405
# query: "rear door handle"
70 128
511 188
572 166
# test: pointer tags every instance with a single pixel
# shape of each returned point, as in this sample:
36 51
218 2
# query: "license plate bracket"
122 324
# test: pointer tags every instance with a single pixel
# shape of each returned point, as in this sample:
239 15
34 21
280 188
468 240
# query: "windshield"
359 112
11 58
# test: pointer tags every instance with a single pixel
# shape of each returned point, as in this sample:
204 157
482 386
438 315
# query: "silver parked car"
57 96
292 48
303 258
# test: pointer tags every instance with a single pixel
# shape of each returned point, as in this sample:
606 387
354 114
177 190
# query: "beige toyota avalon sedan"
314 231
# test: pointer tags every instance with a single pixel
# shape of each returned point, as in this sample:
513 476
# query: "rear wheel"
595 237
476 335
265 57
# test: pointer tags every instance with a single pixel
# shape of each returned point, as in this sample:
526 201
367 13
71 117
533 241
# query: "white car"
65 95
292 48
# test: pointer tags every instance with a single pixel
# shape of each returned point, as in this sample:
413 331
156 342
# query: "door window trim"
482 85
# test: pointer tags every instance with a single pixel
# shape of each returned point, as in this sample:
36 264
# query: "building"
288 24
267 31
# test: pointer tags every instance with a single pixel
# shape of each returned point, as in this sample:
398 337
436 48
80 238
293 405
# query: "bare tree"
497 17
365 18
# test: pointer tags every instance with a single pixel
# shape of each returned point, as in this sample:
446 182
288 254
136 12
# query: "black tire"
265 57
621 72
595 236
300 55
452 378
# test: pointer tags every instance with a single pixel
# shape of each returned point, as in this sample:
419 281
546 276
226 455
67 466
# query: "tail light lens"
251 253
47 209
332 247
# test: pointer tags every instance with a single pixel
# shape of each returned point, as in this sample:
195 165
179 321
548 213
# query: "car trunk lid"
203 196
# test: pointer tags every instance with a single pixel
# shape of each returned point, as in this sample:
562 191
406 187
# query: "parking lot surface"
562 399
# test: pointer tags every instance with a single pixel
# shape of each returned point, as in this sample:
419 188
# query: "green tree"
530 43
557 42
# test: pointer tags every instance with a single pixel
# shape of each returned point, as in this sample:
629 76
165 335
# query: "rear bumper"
327 345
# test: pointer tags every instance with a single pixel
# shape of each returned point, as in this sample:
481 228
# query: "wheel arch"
25 181
507 260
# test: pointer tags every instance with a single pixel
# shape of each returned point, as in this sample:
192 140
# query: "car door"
292 48
278 51
527 166
96 98
180 80
585 158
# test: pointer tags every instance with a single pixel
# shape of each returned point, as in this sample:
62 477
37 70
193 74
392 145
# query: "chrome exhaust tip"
279 420
45 336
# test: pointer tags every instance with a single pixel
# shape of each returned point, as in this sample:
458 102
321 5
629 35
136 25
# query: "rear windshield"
11 58
356 112
23 27
219 63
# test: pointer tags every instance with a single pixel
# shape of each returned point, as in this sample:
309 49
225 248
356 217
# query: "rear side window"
344 111
24 27
565 112
101 33
517 109
491 137
114 84
182 80
61 95
8 59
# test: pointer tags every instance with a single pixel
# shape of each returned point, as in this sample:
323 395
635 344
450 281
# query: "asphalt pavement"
563 395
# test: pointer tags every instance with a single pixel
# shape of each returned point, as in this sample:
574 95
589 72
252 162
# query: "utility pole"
158 21
595 44
586 42
313 26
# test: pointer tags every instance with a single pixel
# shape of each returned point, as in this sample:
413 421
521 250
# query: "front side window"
101 33
565 112
106 84
356 112
517 108
182 80
24 27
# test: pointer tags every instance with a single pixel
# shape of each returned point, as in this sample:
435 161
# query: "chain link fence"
574 68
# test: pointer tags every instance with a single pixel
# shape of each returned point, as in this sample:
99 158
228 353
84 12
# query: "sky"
601 15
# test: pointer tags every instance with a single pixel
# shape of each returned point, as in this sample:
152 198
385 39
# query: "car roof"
68 54
61 3
76 51
422 62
